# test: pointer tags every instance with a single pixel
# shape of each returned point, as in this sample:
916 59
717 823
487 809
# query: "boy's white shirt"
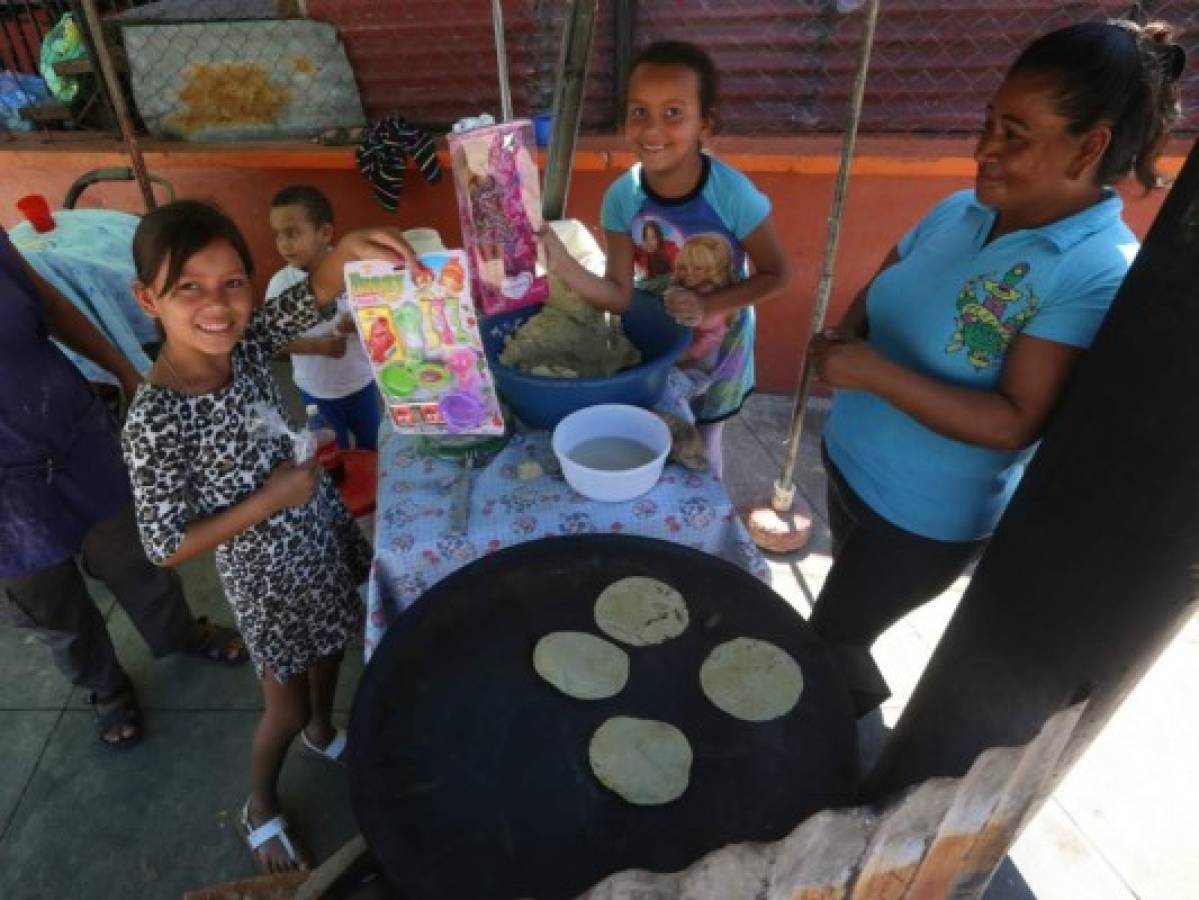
323 376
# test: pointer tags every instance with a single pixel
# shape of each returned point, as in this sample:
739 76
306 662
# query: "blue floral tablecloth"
89 258
414 549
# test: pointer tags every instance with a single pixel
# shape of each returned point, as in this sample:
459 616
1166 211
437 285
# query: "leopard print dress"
292 578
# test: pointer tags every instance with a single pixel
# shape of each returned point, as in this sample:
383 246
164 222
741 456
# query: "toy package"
499 203
422 338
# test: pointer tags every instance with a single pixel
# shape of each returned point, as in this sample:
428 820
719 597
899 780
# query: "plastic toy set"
421 334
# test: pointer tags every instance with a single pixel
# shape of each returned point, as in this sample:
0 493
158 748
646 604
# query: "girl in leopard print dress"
288 553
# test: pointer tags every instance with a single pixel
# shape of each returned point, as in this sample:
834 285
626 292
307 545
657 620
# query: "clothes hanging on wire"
383 155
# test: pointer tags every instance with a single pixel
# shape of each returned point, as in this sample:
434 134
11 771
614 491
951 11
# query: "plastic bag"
265 422
18 90
63 42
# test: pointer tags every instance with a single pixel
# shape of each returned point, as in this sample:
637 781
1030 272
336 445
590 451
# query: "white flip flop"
272 828
332 752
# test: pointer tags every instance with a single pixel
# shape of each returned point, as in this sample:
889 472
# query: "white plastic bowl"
611 420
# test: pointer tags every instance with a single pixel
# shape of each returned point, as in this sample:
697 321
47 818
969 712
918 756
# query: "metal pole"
116 96
568 105
784 489
501 59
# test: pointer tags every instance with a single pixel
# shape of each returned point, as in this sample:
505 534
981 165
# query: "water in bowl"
612 454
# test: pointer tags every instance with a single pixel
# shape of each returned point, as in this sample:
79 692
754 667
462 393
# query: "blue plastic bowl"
543 402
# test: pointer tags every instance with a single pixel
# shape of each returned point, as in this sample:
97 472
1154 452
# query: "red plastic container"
358 487
35 208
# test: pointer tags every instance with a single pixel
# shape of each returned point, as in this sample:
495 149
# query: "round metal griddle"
469 773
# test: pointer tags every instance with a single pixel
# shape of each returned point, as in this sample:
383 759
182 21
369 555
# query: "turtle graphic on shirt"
990 313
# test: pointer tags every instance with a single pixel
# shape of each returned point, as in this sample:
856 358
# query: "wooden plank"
83 65
46 112
1000 793
903 837
819 860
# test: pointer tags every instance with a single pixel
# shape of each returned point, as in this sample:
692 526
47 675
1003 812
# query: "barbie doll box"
499 203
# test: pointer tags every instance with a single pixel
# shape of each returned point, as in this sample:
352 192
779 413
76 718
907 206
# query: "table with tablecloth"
88 256
414 547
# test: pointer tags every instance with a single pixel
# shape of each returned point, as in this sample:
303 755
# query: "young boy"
328 363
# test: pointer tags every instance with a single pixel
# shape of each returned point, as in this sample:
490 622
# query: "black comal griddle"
469 774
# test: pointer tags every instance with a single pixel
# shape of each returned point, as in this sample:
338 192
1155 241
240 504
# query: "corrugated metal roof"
786 65
435 62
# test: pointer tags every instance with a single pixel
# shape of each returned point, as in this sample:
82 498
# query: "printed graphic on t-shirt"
663 255
992 311
656 243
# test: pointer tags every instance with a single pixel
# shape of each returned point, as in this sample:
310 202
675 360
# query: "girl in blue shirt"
949 364
678 194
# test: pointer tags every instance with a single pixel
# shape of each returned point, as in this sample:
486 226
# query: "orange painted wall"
895 181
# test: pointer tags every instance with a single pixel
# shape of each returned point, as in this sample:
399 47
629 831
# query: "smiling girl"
289 556
678 188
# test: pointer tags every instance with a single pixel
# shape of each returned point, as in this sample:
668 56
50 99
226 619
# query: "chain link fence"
234 70
787 68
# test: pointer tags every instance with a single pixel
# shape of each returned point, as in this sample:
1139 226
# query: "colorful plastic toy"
422 337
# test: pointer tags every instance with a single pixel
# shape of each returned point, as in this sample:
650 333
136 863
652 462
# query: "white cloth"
323 376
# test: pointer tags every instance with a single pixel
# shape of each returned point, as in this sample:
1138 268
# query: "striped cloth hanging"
383 155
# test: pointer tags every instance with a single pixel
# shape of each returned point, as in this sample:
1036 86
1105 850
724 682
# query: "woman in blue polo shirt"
948 364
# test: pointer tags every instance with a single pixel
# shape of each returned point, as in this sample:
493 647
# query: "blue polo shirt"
949 309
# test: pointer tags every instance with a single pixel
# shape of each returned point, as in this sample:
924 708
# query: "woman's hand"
685 306
387 244
291 485
345 325
843 360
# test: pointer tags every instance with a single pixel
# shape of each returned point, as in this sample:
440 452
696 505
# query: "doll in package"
499 203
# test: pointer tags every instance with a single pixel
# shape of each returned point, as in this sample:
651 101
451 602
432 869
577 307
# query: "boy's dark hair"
1116 72
689 56
315 203
174 233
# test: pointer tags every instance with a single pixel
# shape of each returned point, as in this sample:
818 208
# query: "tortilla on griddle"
581 665
751 680
644 761
641 611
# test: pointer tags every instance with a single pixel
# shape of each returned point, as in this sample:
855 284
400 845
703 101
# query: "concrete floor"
78 820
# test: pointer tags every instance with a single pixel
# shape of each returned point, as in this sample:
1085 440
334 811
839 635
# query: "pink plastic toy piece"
465 367
440 324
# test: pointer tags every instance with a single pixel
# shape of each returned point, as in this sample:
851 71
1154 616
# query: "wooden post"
622 28
116 97
568 105
501 60
1092 570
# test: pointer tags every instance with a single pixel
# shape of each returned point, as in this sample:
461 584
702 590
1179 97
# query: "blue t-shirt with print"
695 241
949 309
